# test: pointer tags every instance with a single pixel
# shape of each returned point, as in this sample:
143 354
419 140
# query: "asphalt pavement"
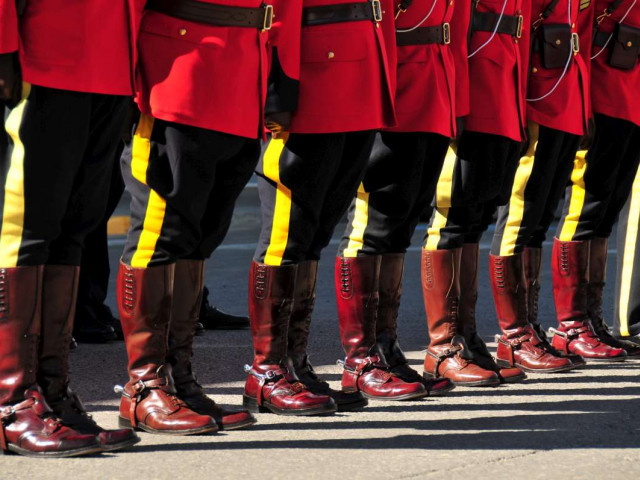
577 425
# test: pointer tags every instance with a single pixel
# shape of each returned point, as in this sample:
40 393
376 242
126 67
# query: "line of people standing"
362 100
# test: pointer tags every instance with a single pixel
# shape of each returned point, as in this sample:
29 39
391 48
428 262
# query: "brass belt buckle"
519 28
268 18
575 43
377 10
446 33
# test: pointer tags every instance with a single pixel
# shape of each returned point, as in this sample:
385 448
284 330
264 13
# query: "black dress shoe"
199 329
106 316
214 319
89 328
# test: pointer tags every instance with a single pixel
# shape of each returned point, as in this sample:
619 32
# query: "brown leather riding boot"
570 268
448 354
467 323
519 344
532 262
188 285
149 400
298 339
597 276
387 345
59 295
28 426
356 281
270 387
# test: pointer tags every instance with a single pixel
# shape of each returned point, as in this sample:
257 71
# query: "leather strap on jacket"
216 15
425 35
346 12
509 24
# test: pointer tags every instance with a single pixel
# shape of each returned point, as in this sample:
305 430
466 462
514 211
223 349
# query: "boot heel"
251 404
125 423
504 363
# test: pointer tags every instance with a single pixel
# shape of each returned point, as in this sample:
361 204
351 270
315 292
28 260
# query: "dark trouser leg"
627 305
94 320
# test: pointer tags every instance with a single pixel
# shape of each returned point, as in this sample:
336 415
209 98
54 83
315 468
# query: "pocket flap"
557 35
628 37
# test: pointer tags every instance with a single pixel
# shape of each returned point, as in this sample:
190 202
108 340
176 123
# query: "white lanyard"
604 47
495 31
421 21
564 72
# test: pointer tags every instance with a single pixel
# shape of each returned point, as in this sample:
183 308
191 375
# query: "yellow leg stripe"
516 201
358 225
13 211
443 200
156 205
628 257
576 203
142 148
282 208
439 222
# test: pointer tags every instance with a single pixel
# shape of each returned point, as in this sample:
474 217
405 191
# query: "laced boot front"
575 335
448 354
356 281
270 387
149 400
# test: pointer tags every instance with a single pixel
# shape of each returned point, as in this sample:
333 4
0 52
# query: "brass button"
629 44
331 55
558 42
183 31
535 70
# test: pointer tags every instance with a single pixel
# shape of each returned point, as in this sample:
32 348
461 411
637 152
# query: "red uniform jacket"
616 92
496 76
77 45
425 96
347 74
210 76
567 108
8 26
459 47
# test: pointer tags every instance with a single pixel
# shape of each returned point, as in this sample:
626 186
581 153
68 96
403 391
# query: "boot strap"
442 356
138 389
6 417
269 376
363 365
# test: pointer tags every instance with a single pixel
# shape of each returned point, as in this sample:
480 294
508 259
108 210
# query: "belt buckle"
268 18
377 10
519 28
446 33
575 43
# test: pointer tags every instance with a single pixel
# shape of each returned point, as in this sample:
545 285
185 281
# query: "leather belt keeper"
347 12
509 24
215 15
425 35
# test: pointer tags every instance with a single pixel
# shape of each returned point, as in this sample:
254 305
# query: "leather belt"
425 35
346 12
509 25
216 15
